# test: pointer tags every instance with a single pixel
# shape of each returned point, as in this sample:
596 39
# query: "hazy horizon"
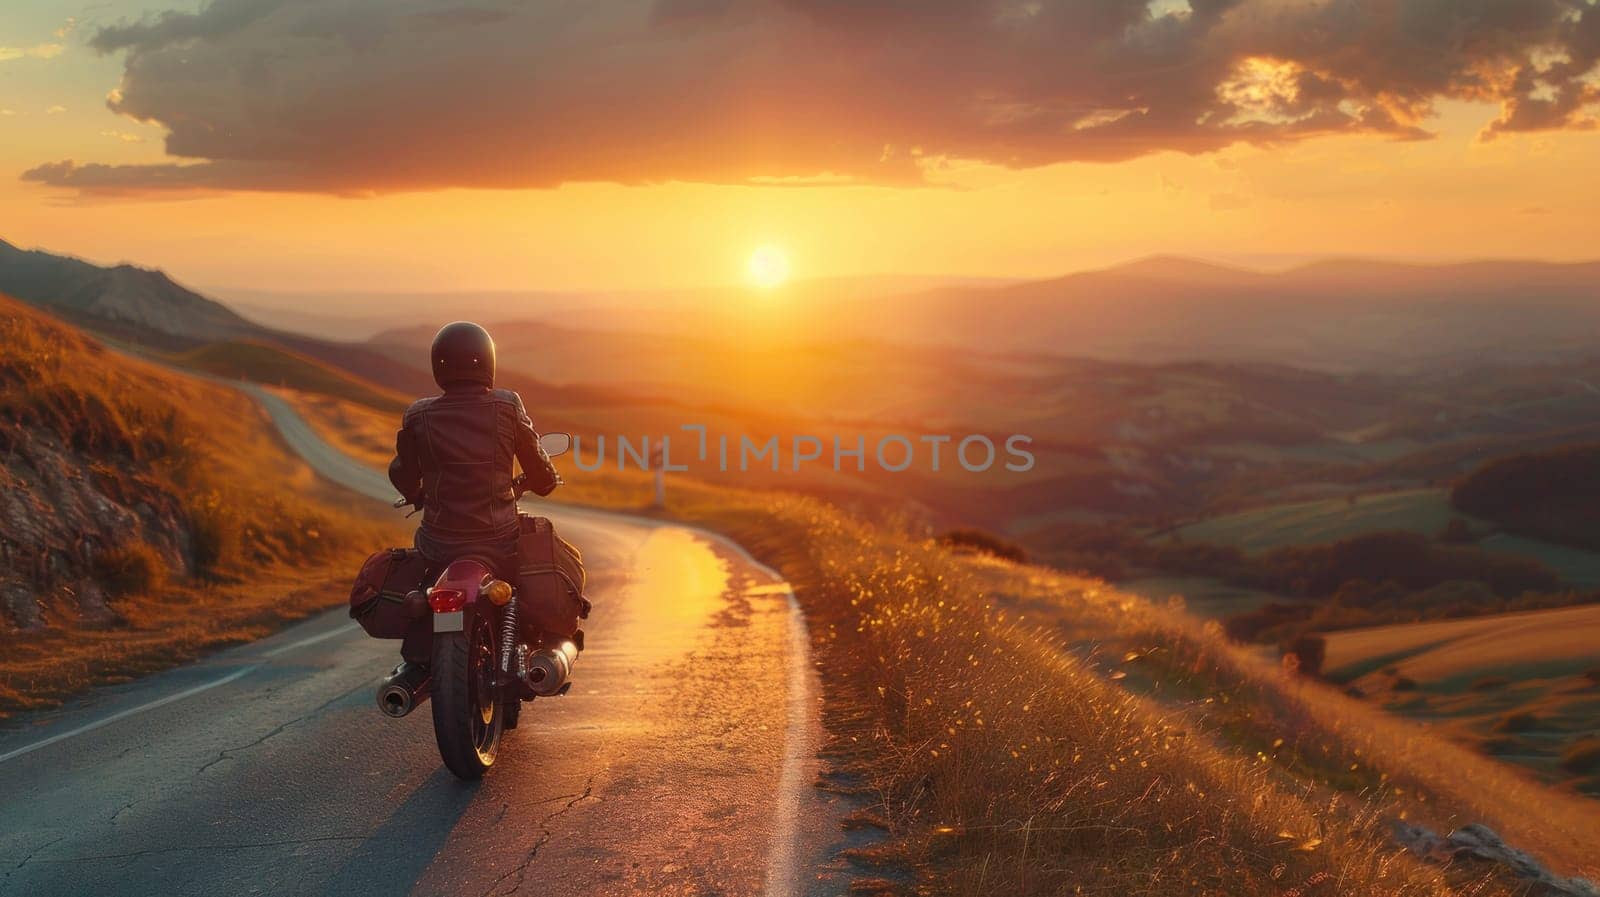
255 293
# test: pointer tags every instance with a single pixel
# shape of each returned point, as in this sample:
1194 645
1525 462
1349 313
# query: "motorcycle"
482 669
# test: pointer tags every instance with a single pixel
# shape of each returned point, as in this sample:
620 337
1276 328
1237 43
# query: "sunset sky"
573 144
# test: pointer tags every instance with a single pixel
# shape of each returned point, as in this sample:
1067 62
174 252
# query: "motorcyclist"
453 460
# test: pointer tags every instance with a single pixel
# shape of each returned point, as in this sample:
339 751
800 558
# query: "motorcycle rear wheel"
468 716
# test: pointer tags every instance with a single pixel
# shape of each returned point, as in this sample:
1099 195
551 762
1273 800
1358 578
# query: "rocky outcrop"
60 511
1478 844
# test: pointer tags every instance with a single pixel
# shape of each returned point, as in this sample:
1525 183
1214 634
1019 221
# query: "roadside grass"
158 631
1027 732
165 518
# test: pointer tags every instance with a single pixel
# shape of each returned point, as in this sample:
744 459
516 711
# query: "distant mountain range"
1338 315
1332 315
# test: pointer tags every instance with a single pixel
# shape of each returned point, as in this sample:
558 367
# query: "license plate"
451 622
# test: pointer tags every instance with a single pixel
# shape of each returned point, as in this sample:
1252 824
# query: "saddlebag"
550 579
387 596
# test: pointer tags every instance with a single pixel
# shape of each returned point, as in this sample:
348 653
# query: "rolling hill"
122 298
127 491
1338 316
269 364
145 307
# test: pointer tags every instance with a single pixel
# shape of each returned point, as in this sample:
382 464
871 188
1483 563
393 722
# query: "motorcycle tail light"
445 601
498 591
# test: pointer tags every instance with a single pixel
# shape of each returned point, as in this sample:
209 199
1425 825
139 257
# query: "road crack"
546 832
31 854
227 753
123 809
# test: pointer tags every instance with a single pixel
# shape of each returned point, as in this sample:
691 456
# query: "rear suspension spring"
508 634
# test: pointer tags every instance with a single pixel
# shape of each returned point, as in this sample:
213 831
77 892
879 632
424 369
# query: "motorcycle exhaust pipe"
403 691
550 667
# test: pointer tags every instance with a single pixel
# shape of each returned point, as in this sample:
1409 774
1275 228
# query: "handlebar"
518 486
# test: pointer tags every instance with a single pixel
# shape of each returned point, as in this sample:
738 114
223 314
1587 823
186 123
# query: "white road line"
783 863
124 714
312 640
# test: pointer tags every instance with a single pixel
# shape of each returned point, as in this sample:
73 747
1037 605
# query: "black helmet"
463 353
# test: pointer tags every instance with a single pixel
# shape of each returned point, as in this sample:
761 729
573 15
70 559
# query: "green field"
1425 511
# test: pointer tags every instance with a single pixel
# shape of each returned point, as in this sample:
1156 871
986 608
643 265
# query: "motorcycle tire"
468 716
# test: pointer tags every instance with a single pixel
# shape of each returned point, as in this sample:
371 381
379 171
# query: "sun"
768 267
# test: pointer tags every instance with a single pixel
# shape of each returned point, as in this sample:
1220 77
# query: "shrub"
1311 649
1262 622
133 568
215 530
978 540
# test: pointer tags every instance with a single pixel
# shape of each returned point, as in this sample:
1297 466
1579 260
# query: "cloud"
37 51
364 96
55 110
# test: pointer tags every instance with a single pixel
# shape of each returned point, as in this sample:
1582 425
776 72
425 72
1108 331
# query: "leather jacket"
452 456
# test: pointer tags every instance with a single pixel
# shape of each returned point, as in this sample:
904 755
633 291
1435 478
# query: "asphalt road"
680 763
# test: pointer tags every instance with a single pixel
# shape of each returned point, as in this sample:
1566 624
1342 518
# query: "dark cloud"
358 96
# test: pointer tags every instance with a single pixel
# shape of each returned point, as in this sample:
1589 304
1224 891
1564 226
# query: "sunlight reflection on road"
680 583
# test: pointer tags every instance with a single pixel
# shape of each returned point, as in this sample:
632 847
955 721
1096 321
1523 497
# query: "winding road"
681 762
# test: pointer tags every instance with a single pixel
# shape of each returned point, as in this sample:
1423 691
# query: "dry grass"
1025 732
219 521
158 631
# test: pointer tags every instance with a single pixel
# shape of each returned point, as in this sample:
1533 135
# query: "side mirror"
556 443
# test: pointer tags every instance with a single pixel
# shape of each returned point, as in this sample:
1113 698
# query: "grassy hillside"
148 516
1020 731
119 297
272 365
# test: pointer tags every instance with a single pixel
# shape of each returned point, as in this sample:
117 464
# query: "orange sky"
1450 197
